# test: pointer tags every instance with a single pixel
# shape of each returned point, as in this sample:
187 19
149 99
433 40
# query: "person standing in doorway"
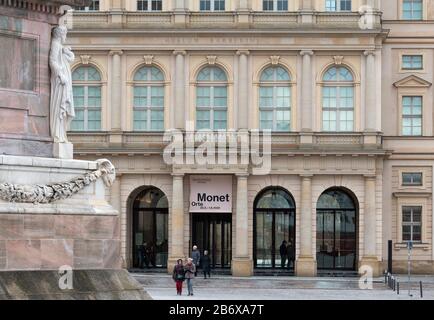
178 276
291 254
283 254
190 270
206 264
195 254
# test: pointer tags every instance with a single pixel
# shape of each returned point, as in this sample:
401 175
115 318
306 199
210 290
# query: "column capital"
116 52
306 176
242 175
370 176
179 52
306 52
242 52
178 175
369 52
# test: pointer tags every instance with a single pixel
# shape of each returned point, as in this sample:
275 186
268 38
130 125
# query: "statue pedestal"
63 150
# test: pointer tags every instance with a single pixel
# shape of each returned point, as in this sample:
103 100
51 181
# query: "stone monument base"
63 150
87 285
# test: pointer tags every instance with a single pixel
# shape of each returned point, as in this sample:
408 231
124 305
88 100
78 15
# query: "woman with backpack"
179 276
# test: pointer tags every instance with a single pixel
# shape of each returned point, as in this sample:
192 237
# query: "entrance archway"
150 229
336 237
274 223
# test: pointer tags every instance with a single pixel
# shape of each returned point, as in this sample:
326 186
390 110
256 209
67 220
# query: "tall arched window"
211 99
86 86
148 99
275 99
338 100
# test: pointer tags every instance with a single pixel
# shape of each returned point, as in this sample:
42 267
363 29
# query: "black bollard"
397 288
421 290
389 256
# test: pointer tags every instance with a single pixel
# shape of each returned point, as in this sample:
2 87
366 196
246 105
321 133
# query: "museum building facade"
344 87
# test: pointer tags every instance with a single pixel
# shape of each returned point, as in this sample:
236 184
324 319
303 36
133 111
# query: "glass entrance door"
336 239
213 232
274 228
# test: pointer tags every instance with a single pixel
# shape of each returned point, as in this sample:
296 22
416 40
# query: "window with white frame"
275 99
148 105
212 5
149 5
412 9
412 223
94 6
86 86
338 100
412 115
412 62
211 99
338 5
412 178
275 5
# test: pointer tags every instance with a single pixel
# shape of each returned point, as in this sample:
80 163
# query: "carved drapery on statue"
61 103
57 191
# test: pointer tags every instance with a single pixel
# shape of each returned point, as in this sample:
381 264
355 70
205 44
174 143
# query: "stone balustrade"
227 19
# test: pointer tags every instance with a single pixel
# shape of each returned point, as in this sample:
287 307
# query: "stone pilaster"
176 250
306 98
306 263
370 93
179 101
243 108
241 262
116 91
370 227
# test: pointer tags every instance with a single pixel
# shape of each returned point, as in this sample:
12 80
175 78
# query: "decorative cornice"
52 192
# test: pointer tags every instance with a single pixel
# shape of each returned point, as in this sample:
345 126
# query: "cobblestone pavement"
161 287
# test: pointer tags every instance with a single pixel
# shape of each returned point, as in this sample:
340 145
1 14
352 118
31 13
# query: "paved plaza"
161 287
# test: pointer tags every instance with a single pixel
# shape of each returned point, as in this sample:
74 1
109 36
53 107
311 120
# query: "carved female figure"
61 104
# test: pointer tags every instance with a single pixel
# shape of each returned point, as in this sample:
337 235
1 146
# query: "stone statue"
61 104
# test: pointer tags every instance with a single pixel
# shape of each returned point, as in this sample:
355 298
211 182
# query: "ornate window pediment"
412 82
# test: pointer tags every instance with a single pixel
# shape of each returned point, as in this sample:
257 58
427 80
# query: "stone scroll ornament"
52 192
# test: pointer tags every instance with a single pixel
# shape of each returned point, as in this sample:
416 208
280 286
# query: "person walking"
195 254
206 264
178 276
283 254
190 270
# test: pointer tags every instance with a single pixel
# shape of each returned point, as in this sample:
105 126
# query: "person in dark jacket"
195 255
283 254
178 276
291 254
206 264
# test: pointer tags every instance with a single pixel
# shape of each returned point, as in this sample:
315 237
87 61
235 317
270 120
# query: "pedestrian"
195 254
283 254
206 264
291 254
190 270
178 276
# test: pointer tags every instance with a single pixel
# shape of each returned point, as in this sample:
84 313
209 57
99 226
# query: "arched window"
86 86
338 100
211 99
275 99
148 99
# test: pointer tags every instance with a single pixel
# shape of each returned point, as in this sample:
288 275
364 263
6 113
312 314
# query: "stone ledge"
87 285
47 162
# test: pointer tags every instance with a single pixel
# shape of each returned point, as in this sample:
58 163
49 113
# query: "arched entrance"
273 223
336 235
150 229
